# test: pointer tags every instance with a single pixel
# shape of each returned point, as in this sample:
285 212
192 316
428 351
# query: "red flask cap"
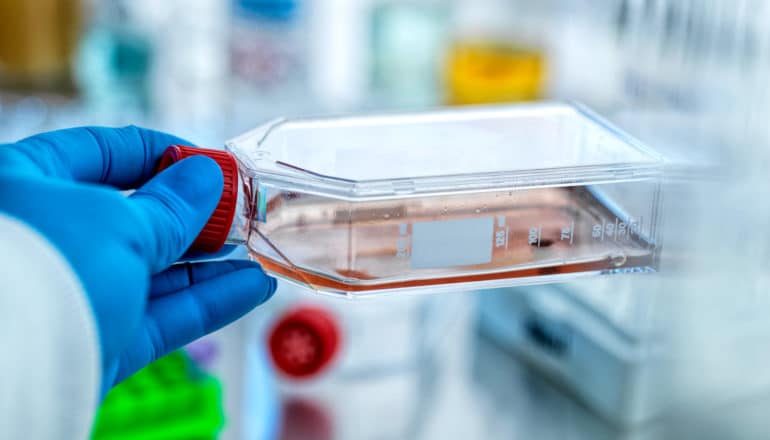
214 234
304 341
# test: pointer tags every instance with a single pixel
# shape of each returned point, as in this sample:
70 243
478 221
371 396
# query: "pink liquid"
356 247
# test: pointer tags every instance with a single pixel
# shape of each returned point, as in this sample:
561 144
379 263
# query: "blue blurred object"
63 184
115 60
408 40
268 56
268 9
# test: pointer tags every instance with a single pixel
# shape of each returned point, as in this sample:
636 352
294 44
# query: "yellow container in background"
38 39
479 72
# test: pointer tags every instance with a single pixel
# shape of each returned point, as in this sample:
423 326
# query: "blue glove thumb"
173 207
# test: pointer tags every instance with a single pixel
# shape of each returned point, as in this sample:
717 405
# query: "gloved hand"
64 184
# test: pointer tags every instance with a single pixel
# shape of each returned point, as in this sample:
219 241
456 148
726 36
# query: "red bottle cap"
304 341
214 234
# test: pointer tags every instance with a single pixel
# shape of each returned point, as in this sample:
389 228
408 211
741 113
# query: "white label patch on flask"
448 243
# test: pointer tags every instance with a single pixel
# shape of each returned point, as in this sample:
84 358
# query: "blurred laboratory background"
684 353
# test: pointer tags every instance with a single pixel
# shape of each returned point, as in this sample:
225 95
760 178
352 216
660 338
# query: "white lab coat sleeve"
50 369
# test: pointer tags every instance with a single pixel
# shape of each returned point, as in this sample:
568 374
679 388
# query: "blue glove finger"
173 207
177 319
182 276
122 157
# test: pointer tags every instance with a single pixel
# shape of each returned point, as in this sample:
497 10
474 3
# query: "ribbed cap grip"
214 234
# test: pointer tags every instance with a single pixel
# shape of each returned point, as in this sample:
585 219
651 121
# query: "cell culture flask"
458 199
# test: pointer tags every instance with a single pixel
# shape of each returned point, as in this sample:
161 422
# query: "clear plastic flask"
455 199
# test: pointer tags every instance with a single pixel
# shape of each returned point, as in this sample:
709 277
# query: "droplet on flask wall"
618 259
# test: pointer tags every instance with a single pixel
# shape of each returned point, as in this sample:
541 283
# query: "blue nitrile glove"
63 184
